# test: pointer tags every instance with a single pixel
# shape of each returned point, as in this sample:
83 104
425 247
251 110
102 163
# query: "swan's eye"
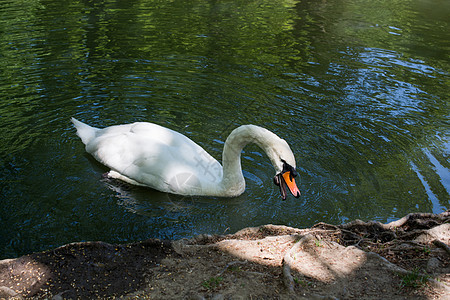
288 168
294 172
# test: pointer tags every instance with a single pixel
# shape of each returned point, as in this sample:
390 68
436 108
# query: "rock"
6 292
433 264
218 297
195 296
441 232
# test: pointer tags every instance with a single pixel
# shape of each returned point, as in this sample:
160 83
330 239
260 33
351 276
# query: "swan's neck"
233 182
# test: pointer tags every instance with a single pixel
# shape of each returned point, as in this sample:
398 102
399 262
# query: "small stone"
218 297
6 292
433 264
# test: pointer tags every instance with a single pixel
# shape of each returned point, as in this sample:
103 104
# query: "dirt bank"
406 259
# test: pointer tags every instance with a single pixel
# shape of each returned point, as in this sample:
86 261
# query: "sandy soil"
406 259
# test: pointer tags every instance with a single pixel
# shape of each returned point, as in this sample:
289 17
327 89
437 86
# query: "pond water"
359 89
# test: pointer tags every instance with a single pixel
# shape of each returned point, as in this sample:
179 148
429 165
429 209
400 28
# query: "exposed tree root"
398 270
288 261
442 245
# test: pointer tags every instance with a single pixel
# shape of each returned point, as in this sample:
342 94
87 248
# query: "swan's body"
151 155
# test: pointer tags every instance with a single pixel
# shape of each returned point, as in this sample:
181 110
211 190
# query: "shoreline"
408 258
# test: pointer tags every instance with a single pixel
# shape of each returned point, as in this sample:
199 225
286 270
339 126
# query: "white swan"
151 155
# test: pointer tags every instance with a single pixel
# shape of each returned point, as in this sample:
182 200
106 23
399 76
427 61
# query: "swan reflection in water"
135 199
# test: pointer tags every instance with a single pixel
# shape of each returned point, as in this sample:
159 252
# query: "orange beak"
286 179
290 182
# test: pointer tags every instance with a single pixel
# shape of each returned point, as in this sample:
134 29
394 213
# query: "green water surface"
359 89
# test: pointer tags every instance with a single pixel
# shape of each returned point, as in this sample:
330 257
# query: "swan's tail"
84 131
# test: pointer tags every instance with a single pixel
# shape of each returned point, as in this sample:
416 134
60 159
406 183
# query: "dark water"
359 89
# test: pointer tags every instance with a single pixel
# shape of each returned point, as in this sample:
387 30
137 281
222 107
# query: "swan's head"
285 180
284 162
277 149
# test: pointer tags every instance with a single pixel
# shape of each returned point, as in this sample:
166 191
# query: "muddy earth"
405 259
